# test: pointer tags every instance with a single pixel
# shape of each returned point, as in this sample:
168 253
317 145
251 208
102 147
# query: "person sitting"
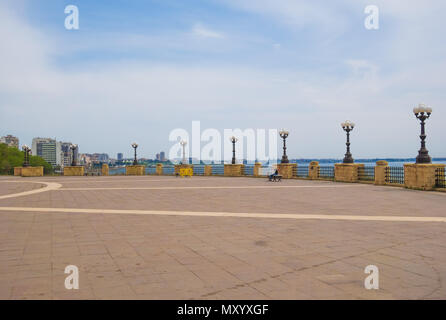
276 173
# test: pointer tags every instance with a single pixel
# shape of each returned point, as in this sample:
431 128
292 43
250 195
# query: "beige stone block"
159 169
208 170
17 171
32 172
347 172
73 171
286 169
105 169
257 166
380 172
234 170
313 170
135 170
420 176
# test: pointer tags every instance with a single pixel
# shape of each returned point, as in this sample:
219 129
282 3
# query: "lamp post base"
284 159
423 158
348 159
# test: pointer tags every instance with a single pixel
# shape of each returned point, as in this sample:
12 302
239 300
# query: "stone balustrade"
416 176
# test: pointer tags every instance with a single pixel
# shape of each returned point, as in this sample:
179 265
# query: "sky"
136 70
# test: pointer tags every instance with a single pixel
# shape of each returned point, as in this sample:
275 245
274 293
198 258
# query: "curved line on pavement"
48 187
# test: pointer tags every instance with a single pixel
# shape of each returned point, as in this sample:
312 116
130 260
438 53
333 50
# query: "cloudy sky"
135 70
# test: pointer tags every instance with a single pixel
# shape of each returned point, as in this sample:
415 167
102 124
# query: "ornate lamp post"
183 144
233 140
134 146
284 134
26 150
73 147
348 126
422 112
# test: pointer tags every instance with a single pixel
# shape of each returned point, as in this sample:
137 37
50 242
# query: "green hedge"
11 157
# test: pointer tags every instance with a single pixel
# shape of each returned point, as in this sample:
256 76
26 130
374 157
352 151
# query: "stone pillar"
234 170
32 172
420 176
159 169
286 169
347 172
73 171
380 172
313 170
207 170
135 170
257 166
17 171
105 169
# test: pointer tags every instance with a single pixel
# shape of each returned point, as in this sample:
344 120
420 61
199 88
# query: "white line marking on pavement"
231 214
207 187
87 180
48 187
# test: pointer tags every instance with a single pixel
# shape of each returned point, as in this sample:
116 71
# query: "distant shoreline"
408 160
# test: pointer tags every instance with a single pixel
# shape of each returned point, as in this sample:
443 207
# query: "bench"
275 178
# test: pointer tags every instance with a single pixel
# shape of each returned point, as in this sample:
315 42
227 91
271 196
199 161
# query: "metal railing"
168 170
218 169
249 170
112 171
395 175
199 170
366 173
302 172
93 172
150 170
440 178
326 172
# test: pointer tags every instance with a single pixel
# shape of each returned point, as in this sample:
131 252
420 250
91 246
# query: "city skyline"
134 73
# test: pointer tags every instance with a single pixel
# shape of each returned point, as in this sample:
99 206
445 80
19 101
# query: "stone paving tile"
16 187
184 257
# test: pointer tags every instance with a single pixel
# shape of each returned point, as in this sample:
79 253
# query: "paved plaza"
163 237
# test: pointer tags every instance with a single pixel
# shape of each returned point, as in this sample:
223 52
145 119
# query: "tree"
11 157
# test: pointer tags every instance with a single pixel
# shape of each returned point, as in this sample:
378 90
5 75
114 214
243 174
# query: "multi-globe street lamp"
183 144
73 147
284 134
423 112
233 140
348 126
26 150
134 146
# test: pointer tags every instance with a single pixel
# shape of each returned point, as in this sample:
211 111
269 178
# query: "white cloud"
204 32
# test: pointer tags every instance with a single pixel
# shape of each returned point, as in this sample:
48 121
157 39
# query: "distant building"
100 157
48 149
158 158
66 155
10 141
84 159
162 156
57 153
95 157
120 156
